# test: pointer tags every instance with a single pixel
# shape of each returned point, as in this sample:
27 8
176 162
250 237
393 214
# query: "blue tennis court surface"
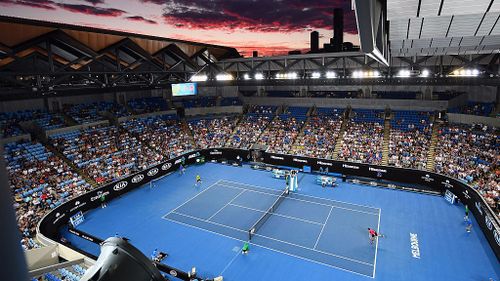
315 229
314 234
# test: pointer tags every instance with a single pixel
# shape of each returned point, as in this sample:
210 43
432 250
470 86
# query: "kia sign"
153 172
120 185
137 179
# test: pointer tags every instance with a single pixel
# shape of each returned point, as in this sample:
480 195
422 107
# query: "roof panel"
421 43
415 25
455 41
399 28
491 40
465 25
401 9
471 41
429 8
441 42
488 22
462 7
435 27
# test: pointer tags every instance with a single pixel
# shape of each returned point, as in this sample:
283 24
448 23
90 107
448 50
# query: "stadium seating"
280 135
320 134
231 101
163 133
474 108
146 105
199 102
39 181
213 132
88 113
409 139
248 131
470 153
363 139
106 153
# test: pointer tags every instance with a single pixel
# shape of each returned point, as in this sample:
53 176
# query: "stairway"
431 157
387 139
186 128
338 143
68 119
237 123
80 172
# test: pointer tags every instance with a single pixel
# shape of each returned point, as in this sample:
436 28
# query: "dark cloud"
141 19
94 2
40 4
91 10
258 15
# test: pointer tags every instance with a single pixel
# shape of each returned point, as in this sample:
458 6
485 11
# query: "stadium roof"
443 27
76 47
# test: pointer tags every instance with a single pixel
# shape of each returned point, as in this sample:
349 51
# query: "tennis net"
267 214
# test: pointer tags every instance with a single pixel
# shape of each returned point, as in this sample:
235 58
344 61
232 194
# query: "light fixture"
224 77
465 72
246 76
404 73
259 76
199 78
316 75
424 73
331 74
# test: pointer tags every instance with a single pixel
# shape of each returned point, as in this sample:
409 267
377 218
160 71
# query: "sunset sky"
273 27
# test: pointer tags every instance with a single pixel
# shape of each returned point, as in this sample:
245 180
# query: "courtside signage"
166 166
153 172
137 178
415 248
120 185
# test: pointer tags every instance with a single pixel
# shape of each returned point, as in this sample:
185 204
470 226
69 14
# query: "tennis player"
468 226
245 249
373 234
154 254
198 180
182 170
466 217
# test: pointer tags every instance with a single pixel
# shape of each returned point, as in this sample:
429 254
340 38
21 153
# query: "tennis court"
324 231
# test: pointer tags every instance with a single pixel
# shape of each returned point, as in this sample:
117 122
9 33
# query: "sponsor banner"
137 178
153 172
300 160
120 185
166 166
349 166
415 248
277 157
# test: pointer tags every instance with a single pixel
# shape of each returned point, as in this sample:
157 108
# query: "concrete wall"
15 139
11 106
214 110
159 113
354 103
472 119
41 257
74 128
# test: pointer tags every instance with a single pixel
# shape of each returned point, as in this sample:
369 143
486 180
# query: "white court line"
301 200
277 214
323 228
267 248
228 203
212 222
192 198
311 196
271 238
230 262
315 250
376 244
